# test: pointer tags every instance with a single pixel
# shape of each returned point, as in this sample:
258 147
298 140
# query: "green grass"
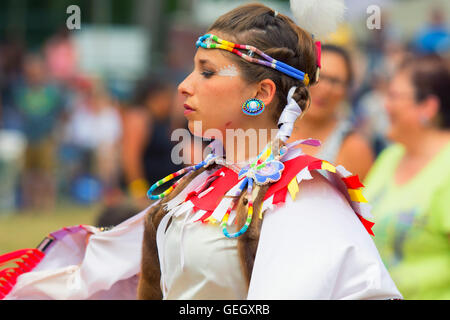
27 229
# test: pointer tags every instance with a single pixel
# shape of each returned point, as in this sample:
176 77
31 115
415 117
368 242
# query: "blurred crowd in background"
65 136
71 132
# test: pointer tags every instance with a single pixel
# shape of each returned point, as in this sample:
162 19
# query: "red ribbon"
367 224
318 53
353 182
316 165
205 216
227 179
221 185
291 169
280 196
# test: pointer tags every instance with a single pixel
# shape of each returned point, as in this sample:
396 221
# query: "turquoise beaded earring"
253 107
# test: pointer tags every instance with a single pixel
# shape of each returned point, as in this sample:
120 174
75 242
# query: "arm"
134 138
87 264
356 155
316 248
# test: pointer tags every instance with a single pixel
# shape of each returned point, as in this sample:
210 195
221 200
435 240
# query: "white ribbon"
188 214
287 119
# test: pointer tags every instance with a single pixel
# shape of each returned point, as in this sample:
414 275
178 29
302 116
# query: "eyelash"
207 74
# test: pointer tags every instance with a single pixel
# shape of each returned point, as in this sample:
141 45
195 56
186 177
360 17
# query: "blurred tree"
33 21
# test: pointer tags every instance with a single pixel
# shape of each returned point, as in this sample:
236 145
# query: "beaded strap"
205 42
171 176
265 169
249 183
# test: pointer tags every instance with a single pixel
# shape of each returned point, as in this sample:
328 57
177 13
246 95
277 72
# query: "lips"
188 109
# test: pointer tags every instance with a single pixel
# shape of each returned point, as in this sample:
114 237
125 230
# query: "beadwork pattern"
253 107
205 42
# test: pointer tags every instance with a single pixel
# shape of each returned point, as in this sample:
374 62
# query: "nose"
389 101
185 88
320 91
389 107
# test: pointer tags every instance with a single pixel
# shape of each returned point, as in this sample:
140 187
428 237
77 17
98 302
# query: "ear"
430 107
266 91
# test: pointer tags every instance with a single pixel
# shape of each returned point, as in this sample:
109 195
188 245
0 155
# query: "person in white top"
254 224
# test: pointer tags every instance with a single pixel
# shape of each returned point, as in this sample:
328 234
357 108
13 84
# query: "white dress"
313 247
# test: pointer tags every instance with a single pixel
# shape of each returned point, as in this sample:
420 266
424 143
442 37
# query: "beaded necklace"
266 168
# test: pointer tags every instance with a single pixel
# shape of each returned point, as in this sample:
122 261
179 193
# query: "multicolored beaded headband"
205 41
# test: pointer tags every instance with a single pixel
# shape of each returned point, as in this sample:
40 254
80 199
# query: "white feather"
319 17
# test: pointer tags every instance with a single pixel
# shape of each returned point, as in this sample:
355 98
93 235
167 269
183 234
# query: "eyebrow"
202 62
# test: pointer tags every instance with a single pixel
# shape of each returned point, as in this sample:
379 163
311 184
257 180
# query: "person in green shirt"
409 184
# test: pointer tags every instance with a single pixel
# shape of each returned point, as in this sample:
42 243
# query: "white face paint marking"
228 71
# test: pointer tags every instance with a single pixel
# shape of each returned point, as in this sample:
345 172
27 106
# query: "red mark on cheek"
228 124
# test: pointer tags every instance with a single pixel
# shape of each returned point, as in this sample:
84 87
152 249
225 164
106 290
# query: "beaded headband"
205 41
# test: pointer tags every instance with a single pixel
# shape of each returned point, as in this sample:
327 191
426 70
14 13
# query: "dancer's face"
214 93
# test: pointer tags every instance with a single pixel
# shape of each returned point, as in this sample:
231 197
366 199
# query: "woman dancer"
272 227
262 258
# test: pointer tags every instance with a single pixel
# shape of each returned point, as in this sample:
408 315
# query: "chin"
315 115
393 135
202 130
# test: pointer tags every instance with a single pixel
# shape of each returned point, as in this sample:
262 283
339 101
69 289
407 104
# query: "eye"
207 74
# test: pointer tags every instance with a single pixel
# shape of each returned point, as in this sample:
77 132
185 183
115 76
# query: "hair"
344 54
279 37
111 216
430 76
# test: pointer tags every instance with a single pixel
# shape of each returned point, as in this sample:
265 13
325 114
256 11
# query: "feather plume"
319 17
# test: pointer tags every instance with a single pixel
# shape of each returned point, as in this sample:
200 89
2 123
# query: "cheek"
327 98
222 104
402 119
335 98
